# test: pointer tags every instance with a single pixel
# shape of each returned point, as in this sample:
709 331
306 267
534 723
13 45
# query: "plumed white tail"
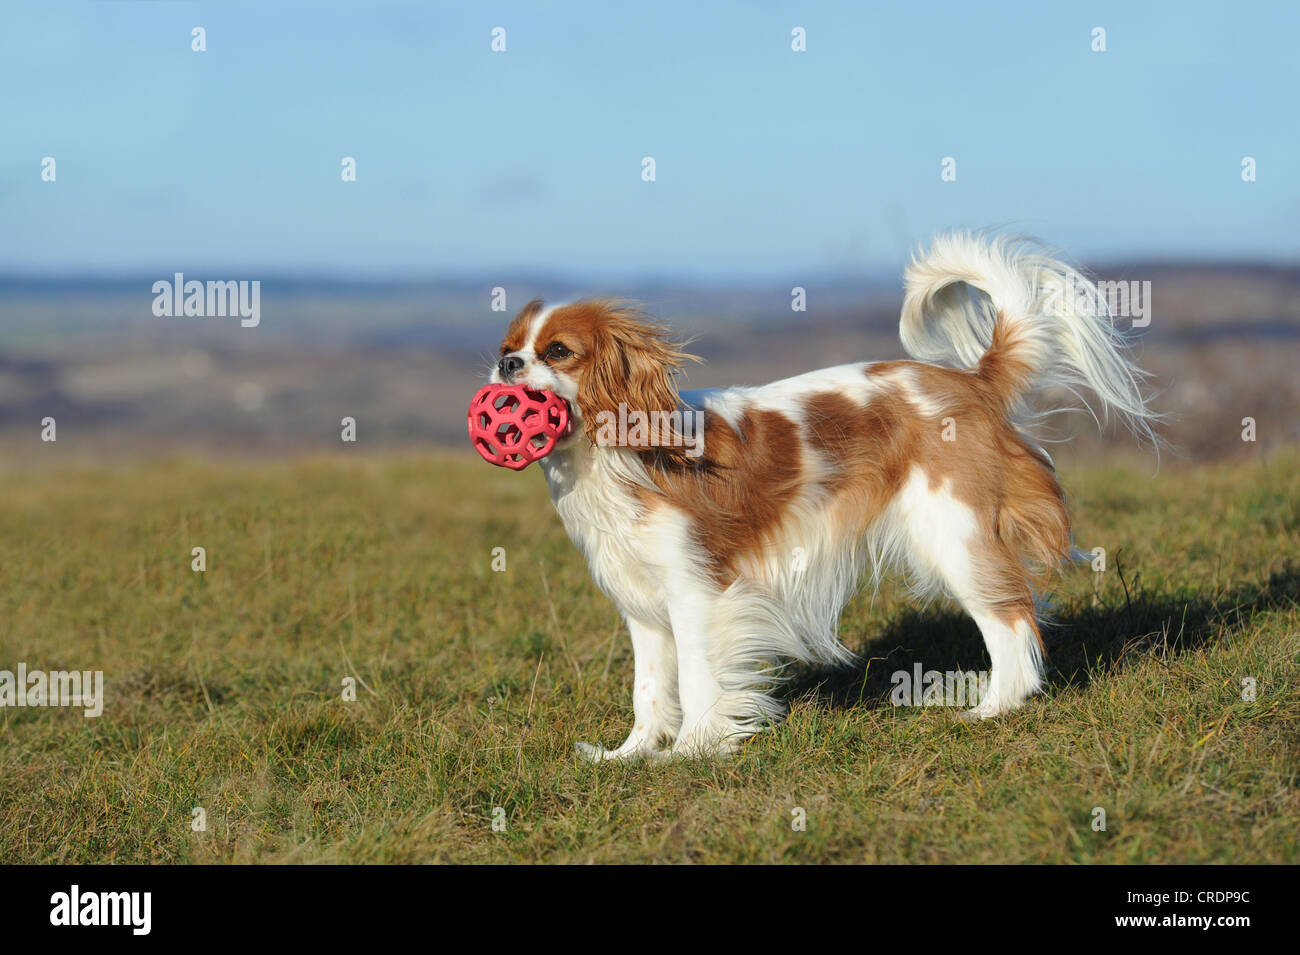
1053 327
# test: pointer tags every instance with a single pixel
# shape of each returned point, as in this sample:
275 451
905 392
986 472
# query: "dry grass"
224 688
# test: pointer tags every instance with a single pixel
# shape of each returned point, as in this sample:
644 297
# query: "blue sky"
768 161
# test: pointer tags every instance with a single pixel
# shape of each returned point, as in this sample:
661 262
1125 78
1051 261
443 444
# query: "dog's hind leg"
952 549
991 586
1016 651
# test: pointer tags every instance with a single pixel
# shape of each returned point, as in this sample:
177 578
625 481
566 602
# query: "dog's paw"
987 709
625 753
592 754
708 742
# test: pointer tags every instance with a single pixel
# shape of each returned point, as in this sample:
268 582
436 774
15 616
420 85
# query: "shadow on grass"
1084 639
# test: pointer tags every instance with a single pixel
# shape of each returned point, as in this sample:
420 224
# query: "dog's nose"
509 366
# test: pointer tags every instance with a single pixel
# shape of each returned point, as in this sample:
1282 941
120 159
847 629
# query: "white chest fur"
623 546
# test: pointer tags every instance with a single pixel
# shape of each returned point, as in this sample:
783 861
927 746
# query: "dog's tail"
1025 322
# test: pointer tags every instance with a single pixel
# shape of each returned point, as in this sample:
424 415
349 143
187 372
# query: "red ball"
514 425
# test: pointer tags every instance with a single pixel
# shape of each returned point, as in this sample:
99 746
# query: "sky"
768 161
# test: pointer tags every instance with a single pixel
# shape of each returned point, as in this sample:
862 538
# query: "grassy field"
224 688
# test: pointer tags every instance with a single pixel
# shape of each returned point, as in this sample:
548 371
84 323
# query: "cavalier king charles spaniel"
732 546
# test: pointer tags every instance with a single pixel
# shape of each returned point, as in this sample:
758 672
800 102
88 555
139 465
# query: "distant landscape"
403 357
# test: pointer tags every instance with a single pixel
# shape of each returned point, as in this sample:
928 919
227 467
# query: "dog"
733 554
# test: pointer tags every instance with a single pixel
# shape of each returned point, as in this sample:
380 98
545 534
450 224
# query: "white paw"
594 754
705 741
988 708
625 753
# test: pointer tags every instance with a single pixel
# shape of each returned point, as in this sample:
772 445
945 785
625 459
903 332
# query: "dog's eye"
557 352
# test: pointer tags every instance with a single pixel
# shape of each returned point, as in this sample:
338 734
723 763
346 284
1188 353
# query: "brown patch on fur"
1009 482
867 448
739 490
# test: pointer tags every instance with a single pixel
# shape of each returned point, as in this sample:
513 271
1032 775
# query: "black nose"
509 365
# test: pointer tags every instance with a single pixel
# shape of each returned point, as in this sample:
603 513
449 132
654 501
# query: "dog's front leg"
654 696
707 727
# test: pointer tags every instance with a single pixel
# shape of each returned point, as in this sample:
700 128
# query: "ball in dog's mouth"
512 426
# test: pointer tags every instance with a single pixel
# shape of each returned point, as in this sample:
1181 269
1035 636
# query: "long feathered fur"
1056 328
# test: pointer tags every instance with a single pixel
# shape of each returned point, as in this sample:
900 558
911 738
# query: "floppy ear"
635 364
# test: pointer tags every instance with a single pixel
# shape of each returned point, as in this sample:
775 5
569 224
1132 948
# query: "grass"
224 688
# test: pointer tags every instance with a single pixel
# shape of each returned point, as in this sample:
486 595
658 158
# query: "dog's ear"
634 364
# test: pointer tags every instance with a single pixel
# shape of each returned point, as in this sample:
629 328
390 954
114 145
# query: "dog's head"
599 355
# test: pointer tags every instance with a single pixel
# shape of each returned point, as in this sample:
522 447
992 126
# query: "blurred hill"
404 357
